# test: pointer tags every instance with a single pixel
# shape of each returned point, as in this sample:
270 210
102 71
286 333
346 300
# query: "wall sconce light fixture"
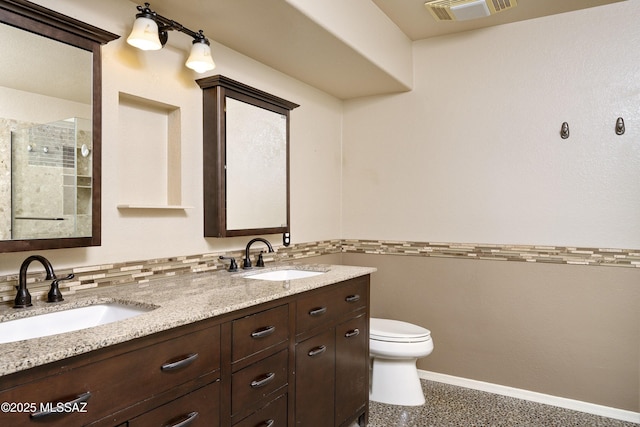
150 32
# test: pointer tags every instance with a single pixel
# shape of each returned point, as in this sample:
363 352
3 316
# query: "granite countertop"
175 301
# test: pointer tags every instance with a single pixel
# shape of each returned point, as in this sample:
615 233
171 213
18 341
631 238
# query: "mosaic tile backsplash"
142 271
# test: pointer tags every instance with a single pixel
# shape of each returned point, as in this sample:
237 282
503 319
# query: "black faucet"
247 259
23 297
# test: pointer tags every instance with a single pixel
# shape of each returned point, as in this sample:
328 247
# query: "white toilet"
394 347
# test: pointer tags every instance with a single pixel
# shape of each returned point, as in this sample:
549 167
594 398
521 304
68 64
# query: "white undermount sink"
73 319
287 274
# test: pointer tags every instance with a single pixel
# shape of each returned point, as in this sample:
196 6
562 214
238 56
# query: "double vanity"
266 347
277 346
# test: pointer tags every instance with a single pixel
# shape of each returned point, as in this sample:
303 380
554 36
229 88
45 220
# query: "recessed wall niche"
149 160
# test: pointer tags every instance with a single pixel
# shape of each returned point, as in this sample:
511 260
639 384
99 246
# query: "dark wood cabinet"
228 105
106 387
259 373
328 359
332 356
301 360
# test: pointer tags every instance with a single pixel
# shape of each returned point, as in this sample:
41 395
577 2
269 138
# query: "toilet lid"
397 331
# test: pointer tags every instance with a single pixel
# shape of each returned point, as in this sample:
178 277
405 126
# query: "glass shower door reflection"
49 197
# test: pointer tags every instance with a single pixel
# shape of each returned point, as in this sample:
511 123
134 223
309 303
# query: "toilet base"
396 382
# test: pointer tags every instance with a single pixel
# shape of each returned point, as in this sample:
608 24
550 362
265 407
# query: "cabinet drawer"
319 308
273 414
260 331
200 408
253 383
352 295
116 383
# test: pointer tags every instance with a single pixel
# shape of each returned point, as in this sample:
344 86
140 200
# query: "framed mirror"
246 159
50 129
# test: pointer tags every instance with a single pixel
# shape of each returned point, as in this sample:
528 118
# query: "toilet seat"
397 331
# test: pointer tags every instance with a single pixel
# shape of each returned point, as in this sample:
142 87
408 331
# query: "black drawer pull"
263 332
352 298
171 366
352 333
268 423
73 404
191 417
263 381
317 350
319 311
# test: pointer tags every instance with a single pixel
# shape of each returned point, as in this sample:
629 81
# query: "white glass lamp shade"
200 59
144 34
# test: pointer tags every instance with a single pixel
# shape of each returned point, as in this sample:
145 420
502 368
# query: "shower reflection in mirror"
51 167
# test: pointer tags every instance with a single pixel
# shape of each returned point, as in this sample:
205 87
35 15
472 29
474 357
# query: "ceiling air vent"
463 10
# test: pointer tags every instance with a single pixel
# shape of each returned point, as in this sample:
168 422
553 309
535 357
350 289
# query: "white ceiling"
416 21
347 48
278 34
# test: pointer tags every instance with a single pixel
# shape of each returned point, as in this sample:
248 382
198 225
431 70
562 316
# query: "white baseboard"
576 405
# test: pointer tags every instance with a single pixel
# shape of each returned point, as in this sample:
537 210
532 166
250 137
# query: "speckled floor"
449 405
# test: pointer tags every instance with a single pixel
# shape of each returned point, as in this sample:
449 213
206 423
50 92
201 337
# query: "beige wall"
569 331
161 78
473 152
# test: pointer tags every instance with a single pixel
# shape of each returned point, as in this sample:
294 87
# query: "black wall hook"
620 126
564 130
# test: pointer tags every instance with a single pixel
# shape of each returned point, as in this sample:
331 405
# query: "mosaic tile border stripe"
90 277
521 253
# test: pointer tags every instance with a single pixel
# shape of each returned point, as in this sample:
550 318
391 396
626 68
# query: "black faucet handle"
54 294
260 262
233 266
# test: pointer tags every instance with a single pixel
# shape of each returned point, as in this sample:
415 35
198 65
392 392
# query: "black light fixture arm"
165 25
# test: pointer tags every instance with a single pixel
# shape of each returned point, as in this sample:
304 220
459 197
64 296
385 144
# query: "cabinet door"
198 408
352 368
315 380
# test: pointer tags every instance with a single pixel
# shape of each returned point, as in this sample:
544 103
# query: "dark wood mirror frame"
215 90
40 20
